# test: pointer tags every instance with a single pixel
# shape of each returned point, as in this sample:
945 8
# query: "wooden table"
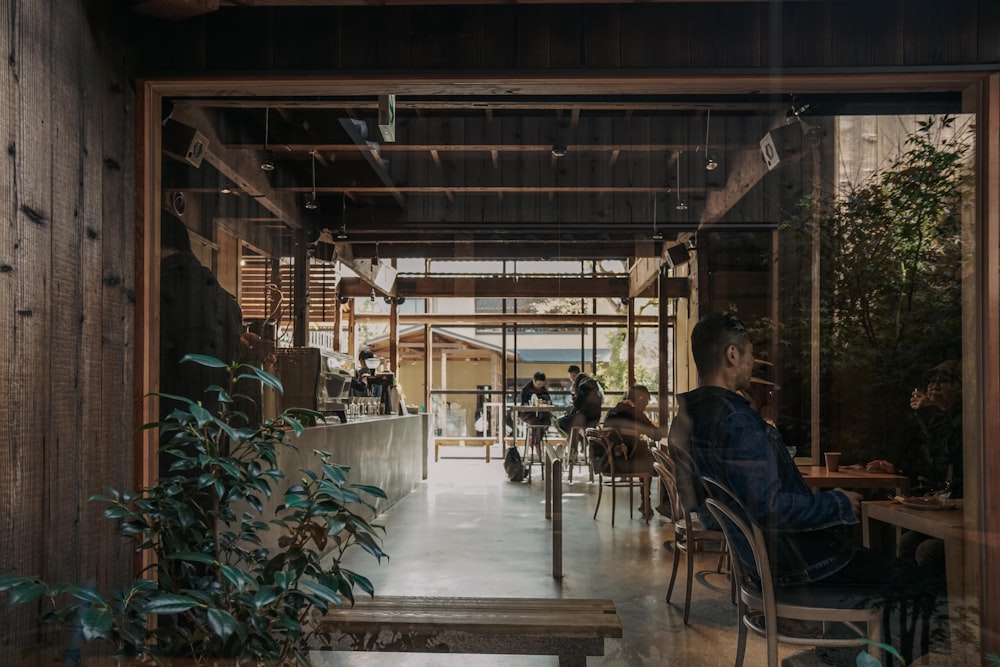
946 525
818 477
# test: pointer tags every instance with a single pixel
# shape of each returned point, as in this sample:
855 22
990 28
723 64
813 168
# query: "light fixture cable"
681 204
710 164
311 197
267 158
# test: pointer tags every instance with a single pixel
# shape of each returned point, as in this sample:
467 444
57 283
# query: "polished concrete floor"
467 531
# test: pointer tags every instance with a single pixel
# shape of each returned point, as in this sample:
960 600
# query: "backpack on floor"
513 465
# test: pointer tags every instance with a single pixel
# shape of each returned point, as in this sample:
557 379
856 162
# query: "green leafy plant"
890 295
212 588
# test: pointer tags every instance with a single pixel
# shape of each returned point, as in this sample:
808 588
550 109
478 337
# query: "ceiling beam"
241 167
514 287
499 319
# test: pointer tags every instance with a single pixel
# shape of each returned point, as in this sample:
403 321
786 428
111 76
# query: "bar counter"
389 452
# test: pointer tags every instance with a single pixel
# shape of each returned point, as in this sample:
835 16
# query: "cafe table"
881 521
818 477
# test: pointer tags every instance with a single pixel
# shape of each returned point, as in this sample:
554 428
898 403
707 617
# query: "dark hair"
635 391
710 338
173 233
573 369
539 376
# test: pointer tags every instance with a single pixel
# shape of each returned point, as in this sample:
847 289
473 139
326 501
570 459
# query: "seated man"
629 419
730 442
536 391
588 396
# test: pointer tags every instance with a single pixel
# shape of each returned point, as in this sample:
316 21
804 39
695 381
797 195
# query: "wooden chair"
600 443
761 603
690 536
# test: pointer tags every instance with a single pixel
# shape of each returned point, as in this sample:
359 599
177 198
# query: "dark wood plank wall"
67 294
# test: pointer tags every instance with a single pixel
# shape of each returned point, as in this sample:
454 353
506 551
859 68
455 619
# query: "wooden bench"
569 629
463 441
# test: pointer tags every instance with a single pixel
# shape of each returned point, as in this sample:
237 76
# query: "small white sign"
769 151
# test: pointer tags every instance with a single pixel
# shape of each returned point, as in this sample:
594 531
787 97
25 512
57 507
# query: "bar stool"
542 431
578 437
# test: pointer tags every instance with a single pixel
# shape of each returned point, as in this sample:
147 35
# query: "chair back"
737 526
667 477
689 488
601 445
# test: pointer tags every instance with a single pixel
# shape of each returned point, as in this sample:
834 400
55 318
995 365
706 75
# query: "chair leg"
600 492
741 637
614 496
690 577
673 573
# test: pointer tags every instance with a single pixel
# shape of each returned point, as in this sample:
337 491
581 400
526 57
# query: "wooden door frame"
981 86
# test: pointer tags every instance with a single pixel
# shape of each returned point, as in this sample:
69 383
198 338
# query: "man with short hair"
628 418
588 396
536 390
730 442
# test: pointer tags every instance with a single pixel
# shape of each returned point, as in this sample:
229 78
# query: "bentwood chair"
601 443
690 536
761 603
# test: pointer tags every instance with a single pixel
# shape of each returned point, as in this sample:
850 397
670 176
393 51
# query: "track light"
311 202
267 158
710 163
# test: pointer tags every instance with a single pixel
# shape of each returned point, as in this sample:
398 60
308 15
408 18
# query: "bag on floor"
513 465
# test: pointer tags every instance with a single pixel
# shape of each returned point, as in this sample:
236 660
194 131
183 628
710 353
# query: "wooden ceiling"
583 177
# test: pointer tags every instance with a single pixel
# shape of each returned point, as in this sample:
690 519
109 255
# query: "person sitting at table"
588 396
936 456
726 439
534 393
629 419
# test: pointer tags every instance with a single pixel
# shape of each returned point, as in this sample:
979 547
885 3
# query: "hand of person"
881 466
919 399
855 498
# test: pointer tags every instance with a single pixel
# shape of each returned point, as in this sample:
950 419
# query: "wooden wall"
67 295
626 37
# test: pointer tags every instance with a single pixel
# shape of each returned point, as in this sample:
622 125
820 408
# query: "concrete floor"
467 531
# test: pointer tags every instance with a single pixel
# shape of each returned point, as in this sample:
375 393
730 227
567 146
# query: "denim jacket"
730 442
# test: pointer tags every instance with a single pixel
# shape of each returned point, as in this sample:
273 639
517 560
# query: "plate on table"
932 503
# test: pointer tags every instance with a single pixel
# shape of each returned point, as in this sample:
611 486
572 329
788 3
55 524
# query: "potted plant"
211 589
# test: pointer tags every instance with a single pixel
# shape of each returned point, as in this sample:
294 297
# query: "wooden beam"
499 319
748 169
241 167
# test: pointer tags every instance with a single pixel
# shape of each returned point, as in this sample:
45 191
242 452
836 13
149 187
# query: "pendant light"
342 232
710 163
657 234
267 158
311 203
681 204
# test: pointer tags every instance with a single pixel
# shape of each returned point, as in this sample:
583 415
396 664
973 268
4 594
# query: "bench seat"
463 441
567 628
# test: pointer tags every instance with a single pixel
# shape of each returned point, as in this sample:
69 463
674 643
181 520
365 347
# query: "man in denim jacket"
727 440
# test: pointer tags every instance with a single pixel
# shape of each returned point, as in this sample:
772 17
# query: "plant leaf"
205 360
96 623
222 622
170 604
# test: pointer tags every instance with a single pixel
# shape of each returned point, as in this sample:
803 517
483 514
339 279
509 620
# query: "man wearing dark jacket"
729 441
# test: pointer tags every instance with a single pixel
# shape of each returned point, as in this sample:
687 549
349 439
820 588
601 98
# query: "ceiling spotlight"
342 233
681 204
710 163
267 157
311 203
559 150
